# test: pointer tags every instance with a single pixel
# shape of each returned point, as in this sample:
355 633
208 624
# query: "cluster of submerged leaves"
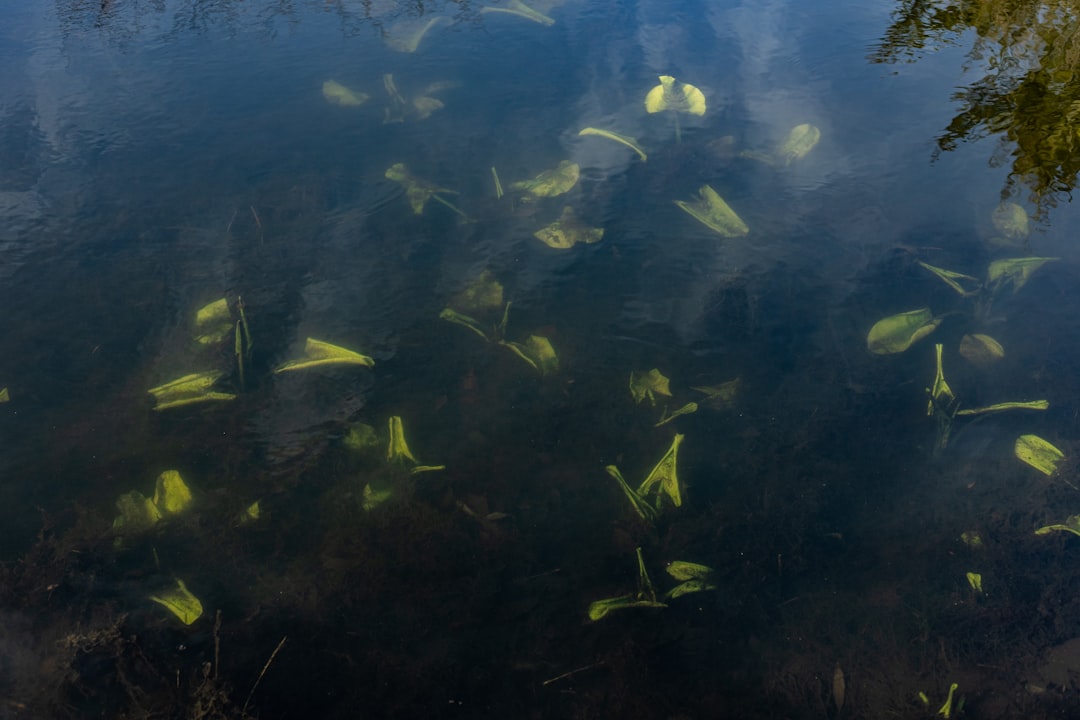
567 230
896 333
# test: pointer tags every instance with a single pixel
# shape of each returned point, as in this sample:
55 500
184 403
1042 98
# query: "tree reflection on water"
1029 94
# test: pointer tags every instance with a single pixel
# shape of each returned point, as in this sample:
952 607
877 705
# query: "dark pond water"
158 157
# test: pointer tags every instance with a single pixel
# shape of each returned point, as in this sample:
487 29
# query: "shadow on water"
815 491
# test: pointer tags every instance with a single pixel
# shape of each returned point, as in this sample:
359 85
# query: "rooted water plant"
419 191
797 144
189 390
180 602
694 577
517 7
568 231
337 94
663 480
406 35
675 97
550 183
1038 453
621 139
713 212
320 354
944 406
536 350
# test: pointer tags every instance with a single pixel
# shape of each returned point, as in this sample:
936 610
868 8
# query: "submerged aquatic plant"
798 143
189 390
318 353
337 94
694 577
568 231
517 7
621 139
180 602
550 183
420 191
713 212
675 97
663 480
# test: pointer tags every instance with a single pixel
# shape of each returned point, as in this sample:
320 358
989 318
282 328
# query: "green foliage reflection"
1029 95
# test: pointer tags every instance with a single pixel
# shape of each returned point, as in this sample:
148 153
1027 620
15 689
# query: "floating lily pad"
981 349
1038 453
1016 271
319 354
188 390
664 477
406 35
568 231
897 333
551 183
1071 524
621 139
171 494
649 385
516 7
710 210
338 94
181 603
538 352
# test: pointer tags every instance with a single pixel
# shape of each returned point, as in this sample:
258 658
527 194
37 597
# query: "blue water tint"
155 157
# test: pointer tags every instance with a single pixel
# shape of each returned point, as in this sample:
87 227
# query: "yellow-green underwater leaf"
972 538
568 231
537 351
897 333
419 191
318 353
649 385
483 293
1011 220
800 141
137 513
951 278
682 570
975 581
171 494
373 498
1038 453
719 396
188 390
1014 270
213 322
551 182
641 507
685 588
361 437
981 349
398 449
516 7
337 94
5 396
600 608
664 476
1071 524
999 407
405 36
181 603
622 139
675 96
687 409
711 211
498 185
451 315
942 397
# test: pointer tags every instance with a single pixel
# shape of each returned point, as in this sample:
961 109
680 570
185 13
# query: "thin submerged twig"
243 711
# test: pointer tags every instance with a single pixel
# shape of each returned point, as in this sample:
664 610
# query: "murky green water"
158 157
